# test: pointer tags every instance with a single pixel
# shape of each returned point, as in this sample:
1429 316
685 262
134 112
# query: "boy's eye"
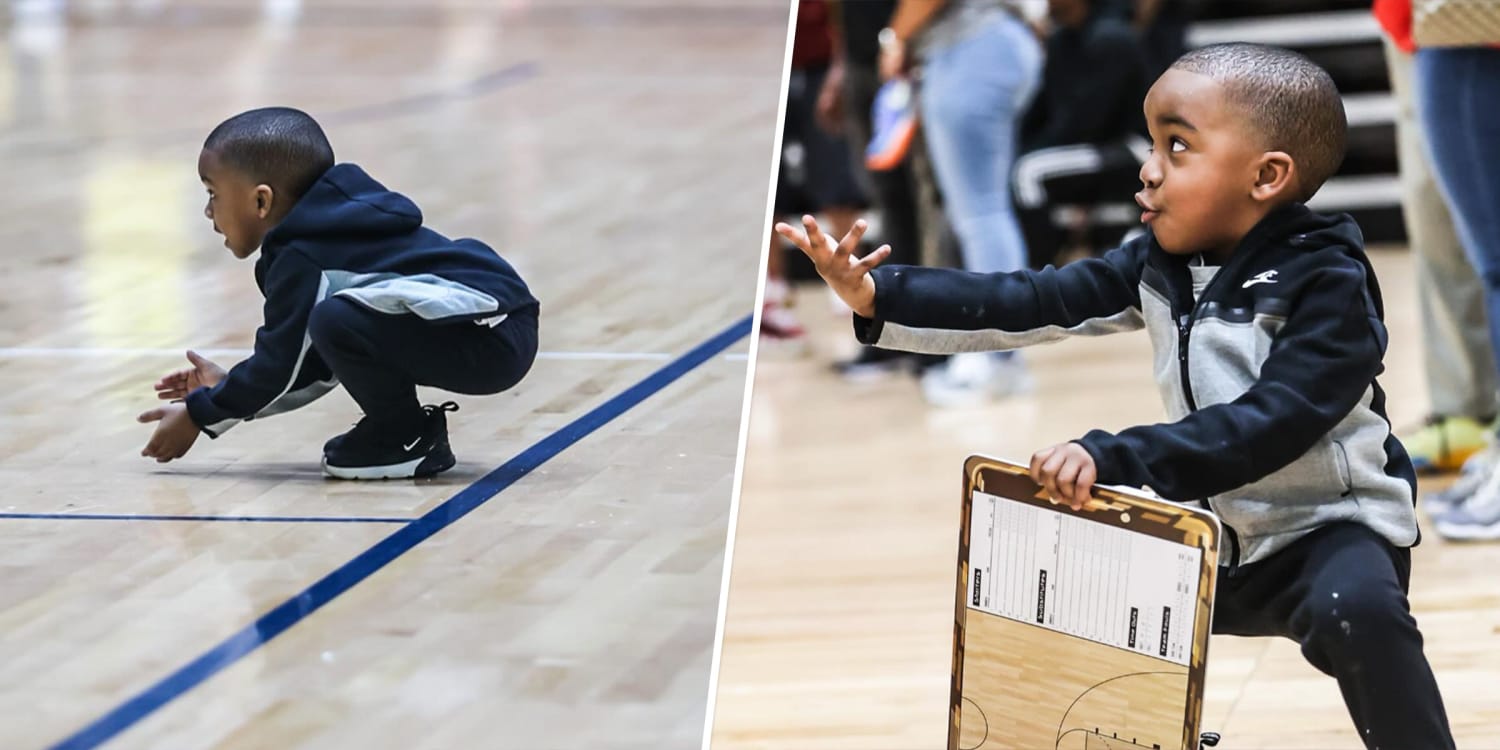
1178 146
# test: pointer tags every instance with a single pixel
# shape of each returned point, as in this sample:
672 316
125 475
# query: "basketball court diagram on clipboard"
1078 630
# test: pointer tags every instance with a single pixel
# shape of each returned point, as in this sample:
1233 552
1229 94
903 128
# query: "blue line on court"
238 519
293 610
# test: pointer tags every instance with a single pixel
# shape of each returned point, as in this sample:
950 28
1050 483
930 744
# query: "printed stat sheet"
1084 578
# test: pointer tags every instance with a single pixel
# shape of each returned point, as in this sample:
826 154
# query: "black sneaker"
369 452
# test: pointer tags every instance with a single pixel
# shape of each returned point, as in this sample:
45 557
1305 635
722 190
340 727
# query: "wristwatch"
889 42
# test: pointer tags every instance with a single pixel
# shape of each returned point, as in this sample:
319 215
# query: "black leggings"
1341 593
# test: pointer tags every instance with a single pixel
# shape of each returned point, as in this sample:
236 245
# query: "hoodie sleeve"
1321 364
944 311
283 372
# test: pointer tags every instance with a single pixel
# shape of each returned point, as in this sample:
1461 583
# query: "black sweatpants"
1341 593
381 359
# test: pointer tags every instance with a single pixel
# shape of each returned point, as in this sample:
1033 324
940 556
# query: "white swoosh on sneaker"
412 444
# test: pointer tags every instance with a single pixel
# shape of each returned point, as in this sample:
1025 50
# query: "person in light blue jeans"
1458 99
980 68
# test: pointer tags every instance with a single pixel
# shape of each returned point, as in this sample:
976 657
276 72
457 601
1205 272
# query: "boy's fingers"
196 358
815 234
874 259
1066 475
1050 468
792 235
1085 482
851 240
1036 463
151 415
818 255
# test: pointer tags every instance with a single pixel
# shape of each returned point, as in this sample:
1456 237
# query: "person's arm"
829 110
1114 61
945 311
1321 364
282 372
909 18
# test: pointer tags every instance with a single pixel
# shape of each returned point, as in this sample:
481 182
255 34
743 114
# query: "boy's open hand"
177 385
174 435
848 276
1066 472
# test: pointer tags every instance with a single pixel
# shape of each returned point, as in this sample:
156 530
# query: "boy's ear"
1275 176
265 200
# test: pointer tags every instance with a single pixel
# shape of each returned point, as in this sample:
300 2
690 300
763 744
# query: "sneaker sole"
425 466
1468 532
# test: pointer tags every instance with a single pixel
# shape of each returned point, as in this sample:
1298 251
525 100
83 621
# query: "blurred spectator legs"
1458 359
1458 100
973 93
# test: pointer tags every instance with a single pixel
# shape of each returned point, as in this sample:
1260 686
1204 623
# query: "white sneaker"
974 378
1476 469
1476 518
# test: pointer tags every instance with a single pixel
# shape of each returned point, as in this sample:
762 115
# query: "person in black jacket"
1082 141
357 292
1267 326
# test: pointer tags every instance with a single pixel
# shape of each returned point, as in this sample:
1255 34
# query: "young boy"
1266 323
357 292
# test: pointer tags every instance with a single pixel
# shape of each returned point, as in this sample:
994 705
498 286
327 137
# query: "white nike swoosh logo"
412 444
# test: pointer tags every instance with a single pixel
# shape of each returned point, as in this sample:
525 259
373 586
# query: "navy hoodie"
1267 372
349 236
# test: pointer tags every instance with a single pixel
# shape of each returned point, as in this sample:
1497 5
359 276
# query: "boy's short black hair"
1288 99
277 146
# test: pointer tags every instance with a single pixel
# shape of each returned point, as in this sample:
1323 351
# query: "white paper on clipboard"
1088 579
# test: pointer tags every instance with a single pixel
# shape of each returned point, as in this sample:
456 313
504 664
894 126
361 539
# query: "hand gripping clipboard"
1078 630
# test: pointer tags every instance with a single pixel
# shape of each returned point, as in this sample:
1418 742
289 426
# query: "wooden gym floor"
839 623
618 152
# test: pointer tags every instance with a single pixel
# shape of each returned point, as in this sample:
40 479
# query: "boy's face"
1204 165
238 208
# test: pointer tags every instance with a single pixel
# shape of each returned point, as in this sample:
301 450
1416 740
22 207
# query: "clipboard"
1078 630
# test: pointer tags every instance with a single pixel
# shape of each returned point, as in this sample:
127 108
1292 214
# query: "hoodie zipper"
1184 334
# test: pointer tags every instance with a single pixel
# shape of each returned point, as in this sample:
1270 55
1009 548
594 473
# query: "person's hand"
177 385
174 435
848 276
830 108
1067 472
